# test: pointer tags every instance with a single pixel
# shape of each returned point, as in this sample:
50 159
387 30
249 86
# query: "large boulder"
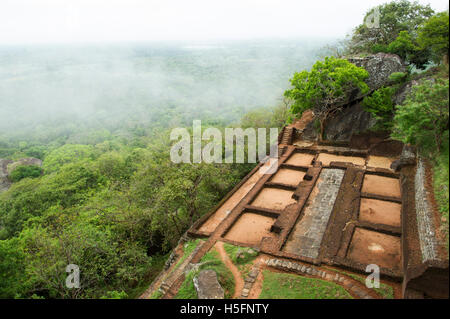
208 286
340 128
379 66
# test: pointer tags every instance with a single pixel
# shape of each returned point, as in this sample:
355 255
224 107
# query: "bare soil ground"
238 281
370 247
299 159
301 123
288 177
274 198
212 222
380 212
250 228
380 161
326 159
381 185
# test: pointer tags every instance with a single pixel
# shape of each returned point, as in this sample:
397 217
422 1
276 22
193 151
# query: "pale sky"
79 21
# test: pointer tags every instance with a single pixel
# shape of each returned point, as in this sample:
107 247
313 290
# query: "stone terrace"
314 220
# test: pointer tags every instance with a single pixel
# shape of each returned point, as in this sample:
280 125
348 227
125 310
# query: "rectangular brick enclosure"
371 247
322 204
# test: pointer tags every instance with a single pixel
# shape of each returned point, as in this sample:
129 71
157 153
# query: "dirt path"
239 282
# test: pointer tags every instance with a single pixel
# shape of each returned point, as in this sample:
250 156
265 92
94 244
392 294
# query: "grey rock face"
351 120
424 212
408 157
4 182
7 166
380 66
24 162
208 286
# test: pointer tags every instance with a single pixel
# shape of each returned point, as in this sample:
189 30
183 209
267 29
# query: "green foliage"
328 81
72 186
405 46
112 208
289 286
326 87
188 248
187 289
12 268
423 118
381 105
115 295
398 77
433 34
240 255
25 171
69 153
211 260
105 264
395 17
385 290
399 22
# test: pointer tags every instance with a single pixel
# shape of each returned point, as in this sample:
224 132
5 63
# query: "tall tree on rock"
326 88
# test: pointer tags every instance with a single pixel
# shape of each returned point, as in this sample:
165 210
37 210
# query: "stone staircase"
167 283
287 135
249 281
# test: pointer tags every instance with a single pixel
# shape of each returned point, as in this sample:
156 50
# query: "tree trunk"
322 129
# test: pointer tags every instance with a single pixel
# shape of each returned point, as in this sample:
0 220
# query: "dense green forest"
109 199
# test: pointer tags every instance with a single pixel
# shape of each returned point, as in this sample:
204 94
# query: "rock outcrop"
4 181
7 166
353 119
208 286
340 128
380 66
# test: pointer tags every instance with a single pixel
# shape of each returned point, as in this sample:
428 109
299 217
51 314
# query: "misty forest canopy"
64 87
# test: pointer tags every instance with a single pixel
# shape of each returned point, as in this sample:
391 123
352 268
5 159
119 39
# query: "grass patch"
240 255
289 286
212 261
386 291
188 248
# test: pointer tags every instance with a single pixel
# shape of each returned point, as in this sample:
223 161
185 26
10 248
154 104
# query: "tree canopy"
326 87
433 34
394 17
